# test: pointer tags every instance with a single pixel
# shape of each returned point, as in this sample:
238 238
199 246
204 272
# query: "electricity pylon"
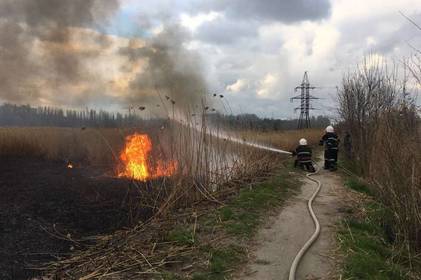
305 98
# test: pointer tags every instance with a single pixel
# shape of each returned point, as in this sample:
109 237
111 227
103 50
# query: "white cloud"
269 86
238 86
264 57
345 11
370 41
270 53
194 22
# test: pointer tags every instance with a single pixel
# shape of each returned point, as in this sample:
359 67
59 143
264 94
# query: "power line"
305 97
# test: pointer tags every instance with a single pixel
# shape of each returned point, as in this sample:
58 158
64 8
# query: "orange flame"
165 169
135 157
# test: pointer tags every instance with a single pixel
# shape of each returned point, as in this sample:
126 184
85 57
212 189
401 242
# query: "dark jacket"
303 153
330 140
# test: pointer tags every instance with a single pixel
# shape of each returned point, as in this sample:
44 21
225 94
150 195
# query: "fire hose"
316 233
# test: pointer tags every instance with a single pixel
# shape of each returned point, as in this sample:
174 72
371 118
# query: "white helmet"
330 129
302 142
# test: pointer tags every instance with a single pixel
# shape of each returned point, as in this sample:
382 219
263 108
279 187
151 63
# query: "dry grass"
211 167
385 128
88 146
206 160
395 172
285 140
183 244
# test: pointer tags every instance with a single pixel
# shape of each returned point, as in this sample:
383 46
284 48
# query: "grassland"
286 140
88 146
205 241
235 224
206 238
368 242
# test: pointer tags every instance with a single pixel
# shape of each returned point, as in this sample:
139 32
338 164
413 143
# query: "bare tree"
376 109
362 98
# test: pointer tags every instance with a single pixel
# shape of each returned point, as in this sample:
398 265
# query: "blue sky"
124 24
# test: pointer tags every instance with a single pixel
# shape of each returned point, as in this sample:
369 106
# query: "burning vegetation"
200 165
51 40
137 162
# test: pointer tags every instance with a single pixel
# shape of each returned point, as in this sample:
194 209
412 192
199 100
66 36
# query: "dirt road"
283 235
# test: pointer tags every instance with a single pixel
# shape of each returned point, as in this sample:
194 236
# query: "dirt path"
284 235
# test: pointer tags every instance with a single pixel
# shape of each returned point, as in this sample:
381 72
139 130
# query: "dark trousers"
331 158
305 165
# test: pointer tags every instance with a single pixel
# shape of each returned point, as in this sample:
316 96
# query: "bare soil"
278 242
43 203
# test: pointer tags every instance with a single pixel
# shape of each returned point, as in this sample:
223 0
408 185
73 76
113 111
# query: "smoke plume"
52 52
171 72
37 46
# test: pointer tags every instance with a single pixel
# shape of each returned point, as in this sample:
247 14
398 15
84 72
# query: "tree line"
253 122
26 115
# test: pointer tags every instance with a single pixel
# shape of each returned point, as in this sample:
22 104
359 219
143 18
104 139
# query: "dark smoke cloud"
171 70
25 24
48 50
16 66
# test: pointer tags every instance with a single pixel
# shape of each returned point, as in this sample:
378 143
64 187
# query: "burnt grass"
42 203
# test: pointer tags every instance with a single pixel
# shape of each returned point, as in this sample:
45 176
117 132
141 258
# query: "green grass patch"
357 185
240 219
221 261
368 253
372 266
351 165
181 236
368 241
170 276
226 213
243 215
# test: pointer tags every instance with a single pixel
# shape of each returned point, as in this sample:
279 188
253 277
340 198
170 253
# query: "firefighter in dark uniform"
303 153
331 141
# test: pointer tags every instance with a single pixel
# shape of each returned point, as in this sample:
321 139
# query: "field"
286 140
158 140
62 187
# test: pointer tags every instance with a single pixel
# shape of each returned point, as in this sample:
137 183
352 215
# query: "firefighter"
331 141
303 153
